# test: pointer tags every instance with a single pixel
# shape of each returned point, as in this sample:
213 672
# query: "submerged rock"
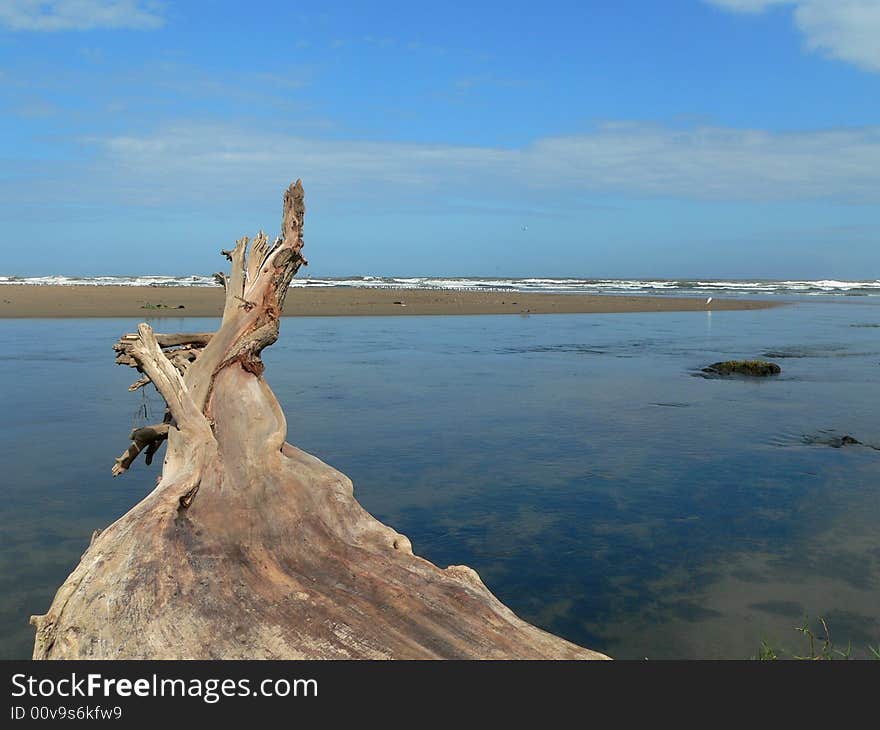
826 438
757 368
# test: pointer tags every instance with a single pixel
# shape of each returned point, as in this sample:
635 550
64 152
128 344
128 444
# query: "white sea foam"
722 287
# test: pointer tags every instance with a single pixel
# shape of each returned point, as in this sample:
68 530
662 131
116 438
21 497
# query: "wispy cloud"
36 109
194 162
843 29
159 88
69 15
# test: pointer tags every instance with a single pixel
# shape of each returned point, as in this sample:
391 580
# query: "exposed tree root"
249 547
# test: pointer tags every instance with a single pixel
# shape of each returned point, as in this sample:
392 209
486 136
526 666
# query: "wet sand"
129 301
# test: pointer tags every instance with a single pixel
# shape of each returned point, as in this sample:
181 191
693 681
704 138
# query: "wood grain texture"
251 548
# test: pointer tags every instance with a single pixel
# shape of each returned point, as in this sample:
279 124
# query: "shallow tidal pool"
601 488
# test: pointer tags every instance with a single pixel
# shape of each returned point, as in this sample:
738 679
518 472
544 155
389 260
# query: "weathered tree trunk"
249 547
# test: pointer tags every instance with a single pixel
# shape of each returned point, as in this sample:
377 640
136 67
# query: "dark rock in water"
757 368
836 442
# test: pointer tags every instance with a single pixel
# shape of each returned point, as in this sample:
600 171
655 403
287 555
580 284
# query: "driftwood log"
249 547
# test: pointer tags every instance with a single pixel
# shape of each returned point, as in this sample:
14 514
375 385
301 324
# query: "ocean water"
601 487
670 287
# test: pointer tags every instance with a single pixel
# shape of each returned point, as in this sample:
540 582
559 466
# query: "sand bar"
150 302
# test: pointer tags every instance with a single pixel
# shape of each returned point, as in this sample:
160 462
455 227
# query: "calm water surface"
601 488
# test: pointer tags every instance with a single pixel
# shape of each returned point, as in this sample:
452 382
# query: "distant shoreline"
25 301
747 288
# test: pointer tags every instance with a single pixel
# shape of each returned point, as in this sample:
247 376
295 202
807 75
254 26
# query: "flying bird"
709 300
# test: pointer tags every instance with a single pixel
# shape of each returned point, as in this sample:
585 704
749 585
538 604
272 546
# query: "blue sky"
688 138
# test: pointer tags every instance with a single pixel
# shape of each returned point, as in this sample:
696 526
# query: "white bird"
709 300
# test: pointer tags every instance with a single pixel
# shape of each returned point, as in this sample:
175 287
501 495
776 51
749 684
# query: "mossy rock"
755 368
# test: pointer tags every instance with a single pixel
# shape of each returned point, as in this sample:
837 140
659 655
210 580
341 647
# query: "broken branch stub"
248 547
149 438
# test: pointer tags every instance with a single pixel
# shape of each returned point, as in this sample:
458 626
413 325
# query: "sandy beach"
129 301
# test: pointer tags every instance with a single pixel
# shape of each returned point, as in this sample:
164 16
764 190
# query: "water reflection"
599 490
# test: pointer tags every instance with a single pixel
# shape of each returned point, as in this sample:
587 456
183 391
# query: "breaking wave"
681 287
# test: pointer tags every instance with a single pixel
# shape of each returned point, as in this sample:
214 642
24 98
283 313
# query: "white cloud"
198 162
64 15
844 29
